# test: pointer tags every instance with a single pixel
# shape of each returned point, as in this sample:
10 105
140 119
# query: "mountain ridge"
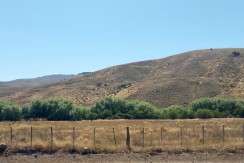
176 79
13 86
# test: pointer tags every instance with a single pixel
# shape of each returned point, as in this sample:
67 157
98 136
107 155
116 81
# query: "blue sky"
71 36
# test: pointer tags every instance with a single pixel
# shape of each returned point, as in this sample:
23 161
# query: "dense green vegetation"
112 108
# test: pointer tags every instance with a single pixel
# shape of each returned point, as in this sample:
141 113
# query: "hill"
10 87
173 80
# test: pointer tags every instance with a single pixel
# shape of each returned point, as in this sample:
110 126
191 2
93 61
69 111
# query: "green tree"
9 112
79 113
204 113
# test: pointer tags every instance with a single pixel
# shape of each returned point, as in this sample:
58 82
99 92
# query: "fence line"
149 137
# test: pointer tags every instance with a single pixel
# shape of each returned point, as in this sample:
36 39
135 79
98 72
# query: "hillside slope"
10 87
173 80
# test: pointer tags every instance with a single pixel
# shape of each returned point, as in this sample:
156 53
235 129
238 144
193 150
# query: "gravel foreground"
125 157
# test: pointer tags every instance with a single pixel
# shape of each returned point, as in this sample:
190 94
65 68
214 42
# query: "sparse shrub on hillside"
123 86
98 84
236 53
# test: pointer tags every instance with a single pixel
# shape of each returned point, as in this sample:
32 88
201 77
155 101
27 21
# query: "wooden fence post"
181 137
223 134
128 138
73 137
94 136
143 137
161 136
51 138
243 133
114 137
31 138
11 135
203 135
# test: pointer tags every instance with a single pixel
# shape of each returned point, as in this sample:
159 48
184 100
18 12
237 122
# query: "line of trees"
113 108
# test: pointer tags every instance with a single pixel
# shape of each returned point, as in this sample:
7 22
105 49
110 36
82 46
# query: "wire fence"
124 138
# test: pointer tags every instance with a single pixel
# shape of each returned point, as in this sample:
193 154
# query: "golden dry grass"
84 134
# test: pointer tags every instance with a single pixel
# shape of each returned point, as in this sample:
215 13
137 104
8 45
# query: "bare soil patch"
183 156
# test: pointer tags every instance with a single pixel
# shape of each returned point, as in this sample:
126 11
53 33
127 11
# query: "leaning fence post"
203 135
114 137
128 138
51 138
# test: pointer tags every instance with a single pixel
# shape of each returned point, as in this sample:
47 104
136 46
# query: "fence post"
243 133
51 138
11 135
161 136
114 137
31 138
73 137
94 136
128 138
203 135
181 137
143 137
223 134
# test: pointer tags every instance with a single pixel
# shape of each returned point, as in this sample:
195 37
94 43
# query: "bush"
112 108
178 112
79 113
224 106
55 109
204 113
9 112
143 110
236 53
239 112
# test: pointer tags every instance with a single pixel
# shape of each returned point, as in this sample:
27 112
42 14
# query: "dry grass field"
159 135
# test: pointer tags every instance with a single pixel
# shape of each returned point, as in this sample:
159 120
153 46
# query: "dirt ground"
126 157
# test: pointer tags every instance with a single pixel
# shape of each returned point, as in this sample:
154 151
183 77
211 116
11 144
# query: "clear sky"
43 37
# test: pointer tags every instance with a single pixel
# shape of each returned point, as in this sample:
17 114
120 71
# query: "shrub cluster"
113 108
9 112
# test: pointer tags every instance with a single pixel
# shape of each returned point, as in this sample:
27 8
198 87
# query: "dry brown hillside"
173 80
10 87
